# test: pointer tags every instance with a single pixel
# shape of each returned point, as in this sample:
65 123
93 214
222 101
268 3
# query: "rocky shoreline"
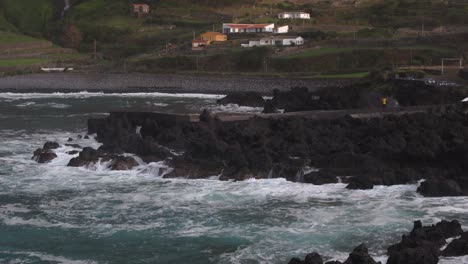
423 245
362 152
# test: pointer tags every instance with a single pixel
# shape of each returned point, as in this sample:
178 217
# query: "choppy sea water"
50 213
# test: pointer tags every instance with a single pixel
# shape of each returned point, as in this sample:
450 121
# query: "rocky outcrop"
458 247
360 255
51 145
422 245
386 150
86 157
438 187
43 155
46 153
89 156
252 99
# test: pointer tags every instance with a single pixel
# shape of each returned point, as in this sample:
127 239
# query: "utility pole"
422 27
442 71
95 49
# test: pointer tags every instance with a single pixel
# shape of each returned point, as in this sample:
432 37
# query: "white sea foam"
22 96
44 105
45 257
264 221
234 108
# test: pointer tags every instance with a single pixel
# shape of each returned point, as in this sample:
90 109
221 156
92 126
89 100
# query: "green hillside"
29 16
340 38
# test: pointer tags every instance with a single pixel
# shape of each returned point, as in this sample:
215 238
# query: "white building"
275 41
248 28
294 15
281 30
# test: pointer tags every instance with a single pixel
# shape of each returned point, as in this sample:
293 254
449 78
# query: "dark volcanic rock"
73 152
51 145
312 258
43 155
422 245
458 247
121 163
251 99
320 177
378 151
360 255
439 187
360 183
73 145
87 156
269 107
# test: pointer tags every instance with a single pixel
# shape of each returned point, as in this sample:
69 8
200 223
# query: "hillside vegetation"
340 38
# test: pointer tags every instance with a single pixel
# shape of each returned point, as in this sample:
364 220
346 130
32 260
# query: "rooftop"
248 25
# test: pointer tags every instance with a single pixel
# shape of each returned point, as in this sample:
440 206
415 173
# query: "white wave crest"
22 96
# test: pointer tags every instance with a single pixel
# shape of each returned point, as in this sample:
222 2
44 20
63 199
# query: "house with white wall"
229 28
275 41
281 29
294 15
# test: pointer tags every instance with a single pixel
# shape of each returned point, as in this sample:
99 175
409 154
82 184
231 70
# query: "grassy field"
343 76
21 62
316 52
29 16
9 38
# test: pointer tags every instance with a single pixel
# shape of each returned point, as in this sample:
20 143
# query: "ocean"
51 213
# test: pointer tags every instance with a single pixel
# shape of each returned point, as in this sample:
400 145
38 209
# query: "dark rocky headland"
423 245
338 134
363 145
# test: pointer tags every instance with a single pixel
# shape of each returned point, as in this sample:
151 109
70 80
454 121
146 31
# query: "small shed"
213 37
199 44
140 10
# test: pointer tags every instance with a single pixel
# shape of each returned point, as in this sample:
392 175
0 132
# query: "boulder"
312 258
360 183
360 255
87 156
252 99
320 177
122 163
422 245
458 247
51 145
440 187
43 155
269 107
73 152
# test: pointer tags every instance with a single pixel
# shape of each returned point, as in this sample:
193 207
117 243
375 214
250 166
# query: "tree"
72 37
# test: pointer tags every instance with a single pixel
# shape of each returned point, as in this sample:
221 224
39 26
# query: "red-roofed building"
199 44
248 28
140 10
